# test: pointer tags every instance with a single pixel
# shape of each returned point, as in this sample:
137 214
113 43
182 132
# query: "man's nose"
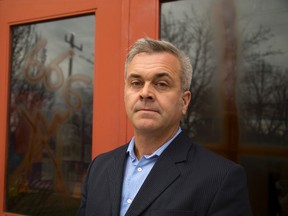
147 92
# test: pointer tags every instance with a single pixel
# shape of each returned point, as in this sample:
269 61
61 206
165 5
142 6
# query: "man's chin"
146 127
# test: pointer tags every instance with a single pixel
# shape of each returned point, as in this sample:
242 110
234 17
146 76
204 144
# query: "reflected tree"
263 101
22 93
262 92
192 34
262 87
251 45
23 38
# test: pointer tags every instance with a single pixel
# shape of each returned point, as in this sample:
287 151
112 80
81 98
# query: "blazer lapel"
115 178
162 175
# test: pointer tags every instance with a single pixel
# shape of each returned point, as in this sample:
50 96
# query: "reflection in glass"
260 66
263 85
187 24
50 133
254 37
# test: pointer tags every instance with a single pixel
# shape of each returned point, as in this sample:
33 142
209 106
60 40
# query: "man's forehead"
165 59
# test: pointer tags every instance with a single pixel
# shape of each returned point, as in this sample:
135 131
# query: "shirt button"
129 201
139 169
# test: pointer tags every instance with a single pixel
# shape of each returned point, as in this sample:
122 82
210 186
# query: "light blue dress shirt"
136 172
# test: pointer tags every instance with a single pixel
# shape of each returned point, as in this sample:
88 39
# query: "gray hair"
150 46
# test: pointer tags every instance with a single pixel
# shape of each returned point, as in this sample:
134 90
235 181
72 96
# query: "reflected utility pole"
82 123
72 45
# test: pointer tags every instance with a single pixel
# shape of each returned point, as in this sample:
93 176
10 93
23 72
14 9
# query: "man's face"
153 97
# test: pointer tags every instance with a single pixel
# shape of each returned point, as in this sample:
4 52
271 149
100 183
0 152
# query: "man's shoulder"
105 160
211 157
110 154
201 154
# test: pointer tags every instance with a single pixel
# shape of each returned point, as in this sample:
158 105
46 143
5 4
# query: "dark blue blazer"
187 180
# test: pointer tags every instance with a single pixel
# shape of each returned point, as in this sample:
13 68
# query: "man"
160 172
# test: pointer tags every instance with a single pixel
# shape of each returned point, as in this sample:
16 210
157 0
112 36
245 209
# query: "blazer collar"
162 175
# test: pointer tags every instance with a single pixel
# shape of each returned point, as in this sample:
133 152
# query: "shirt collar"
158 152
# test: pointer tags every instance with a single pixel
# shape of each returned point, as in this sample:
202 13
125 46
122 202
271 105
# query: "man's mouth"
146 110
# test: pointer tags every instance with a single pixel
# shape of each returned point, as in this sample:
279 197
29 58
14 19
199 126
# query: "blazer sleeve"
232 196
82 209
84 192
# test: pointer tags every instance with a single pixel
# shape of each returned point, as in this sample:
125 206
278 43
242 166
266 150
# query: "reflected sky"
83 28
251 15
269 14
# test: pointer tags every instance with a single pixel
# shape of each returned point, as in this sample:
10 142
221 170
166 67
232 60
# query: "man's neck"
147 143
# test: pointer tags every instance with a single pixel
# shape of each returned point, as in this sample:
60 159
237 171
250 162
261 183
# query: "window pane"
263 86
51 99
256 33
187 24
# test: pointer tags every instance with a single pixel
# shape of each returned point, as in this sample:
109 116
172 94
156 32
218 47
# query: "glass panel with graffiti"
50 124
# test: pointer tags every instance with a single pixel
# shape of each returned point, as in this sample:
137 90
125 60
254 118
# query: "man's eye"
161 85
136 83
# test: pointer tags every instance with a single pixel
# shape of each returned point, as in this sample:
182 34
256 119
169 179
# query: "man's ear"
186 97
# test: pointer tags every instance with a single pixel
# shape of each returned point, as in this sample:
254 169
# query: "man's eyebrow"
163 74
158 75
133 75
